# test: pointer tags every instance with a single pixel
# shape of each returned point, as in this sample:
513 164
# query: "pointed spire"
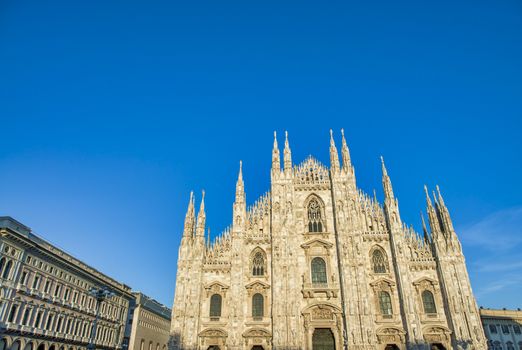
386 182
240 186
446 221
208 238
239 208
345 153
441 200
188 229
287 155
428 200
334 156
432 215
276 158
424 228
200 229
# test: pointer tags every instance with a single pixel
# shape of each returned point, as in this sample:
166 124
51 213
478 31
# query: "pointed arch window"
379 263
315 220
385 304
215 305
258 304
258 264
318 271
429 302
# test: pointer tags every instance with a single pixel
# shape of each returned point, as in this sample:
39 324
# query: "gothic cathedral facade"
318 264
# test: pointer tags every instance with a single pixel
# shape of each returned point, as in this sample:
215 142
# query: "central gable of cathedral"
311 173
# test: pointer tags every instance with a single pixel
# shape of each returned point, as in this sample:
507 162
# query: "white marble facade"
318 264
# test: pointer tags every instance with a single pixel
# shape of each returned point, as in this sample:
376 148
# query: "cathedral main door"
323 339
391 347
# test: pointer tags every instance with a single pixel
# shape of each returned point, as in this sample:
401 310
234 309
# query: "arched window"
258 303
315 222
16 345
215 305
318 271
510 346
12 314
258 264
379 262
25 318
385 303
492 328
5 275
2 263
429 302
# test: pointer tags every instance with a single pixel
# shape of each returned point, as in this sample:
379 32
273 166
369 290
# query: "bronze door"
323 339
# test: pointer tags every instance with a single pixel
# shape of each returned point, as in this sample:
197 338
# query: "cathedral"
316 263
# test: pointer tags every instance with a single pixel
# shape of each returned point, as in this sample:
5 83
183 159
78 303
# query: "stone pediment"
321 305
317 241
256 332
425 280
438 329
213 332
382 280
390 331
216 287
257 285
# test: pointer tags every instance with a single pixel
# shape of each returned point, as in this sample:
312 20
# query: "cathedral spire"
188 229
432 215
276 158
446 221
424 229
386 183
239 211
334 156
287 155
200 227
240 186
345 153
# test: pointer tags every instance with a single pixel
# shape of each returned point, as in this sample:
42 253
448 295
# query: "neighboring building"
45 302
150 324
502 328
318 264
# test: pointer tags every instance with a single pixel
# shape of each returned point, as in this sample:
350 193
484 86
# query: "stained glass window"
215 305
258 264
318 271
314 216
258 305
429 302
385 303
379 262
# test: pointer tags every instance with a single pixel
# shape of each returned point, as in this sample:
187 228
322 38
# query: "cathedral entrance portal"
437 346
257 347
391 347
213 347
323 339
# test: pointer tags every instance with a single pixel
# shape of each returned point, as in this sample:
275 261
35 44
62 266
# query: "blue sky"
112 111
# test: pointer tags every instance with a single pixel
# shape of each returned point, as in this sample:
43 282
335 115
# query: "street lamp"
100 294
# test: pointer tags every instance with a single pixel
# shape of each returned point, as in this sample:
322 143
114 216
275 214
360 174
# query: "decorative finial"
342 132
331 133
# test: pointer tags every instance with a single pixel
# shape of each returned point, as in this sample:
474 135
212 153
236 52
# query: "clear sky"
112 111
